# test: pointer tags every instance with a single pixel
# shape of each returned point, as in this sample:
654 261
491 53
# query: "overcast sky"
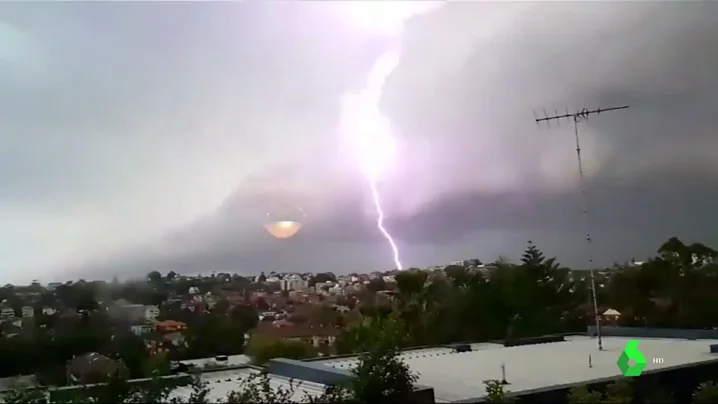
137 136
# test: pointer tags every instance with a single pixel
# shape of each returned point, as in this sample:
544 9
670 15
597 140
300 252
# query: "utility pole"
578 117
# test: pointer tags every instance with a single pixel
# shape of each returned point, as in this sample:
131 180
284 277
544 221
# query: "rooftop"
221 383
9 383
534 368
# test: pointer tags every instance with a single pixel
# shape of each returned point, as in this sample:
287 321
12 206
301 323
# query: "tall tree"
411 281
154 277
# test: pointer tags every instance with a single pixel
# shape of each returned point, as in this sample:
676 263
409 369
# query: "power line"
577 117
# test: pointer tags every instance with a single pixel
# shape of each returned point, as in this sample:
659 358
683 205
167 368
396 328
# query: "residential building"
389 279
484 269
28 312
53 285
611 316
49 311
142 329
169 326
7 313
90 368
132 313
294 283
160 345
151 313
197 306
9 329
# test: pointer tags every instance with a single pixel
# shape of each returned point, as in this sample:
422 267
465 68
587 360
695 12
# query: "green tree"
411 281
324 315
495 392
133 352
536 293
459 275
245 316
24 396
154 277
261 304
323 277
582 395
376 285
373 331
619 392
263 350
157 365
257 389
706 393
221 307
382 377
212 335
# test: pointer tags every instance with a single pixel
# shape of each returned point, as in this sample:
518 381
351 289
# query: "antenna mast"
578 117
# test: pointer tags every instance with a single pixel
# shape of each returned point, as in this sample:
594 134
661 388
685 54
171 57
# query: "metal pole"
584 196
578 117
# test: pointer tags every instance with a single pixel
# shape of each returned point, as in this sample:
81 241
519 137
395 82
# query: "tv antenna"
578 117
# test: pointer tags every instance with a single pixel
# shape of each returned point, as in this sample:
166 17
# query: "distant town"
158 304
80 333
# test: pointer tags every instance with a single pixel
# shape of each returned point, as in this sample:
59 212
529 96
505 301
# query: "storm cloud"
137 136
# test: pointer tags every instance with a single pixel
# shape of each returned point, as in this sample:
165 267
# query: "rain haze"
157 136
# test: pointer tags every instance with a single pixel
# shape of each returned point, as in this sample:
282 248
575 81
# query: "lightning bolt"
380 224
370 135
368 130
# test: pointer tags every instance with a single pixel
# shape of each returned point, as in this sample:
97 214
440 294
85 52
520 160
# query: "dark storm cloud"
134 127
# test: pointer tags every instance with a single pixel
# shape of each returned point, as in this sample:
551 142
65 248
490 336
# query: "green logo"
631 353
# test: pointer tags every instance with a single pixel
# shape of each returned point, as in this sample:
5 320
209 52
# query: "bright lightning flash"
370 135
368 129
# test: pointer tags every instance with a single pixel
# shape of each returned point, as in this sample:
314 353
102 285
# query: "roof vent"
462 348
503 374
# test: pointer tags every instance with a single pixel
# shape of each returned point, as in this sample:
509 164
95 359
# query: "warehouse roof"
221 383
534 368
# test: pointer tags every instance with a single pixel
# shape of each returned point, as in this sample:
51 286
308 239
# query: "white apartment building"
151 313
48 311
133 313
294 283
53 285
28 312
142 329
